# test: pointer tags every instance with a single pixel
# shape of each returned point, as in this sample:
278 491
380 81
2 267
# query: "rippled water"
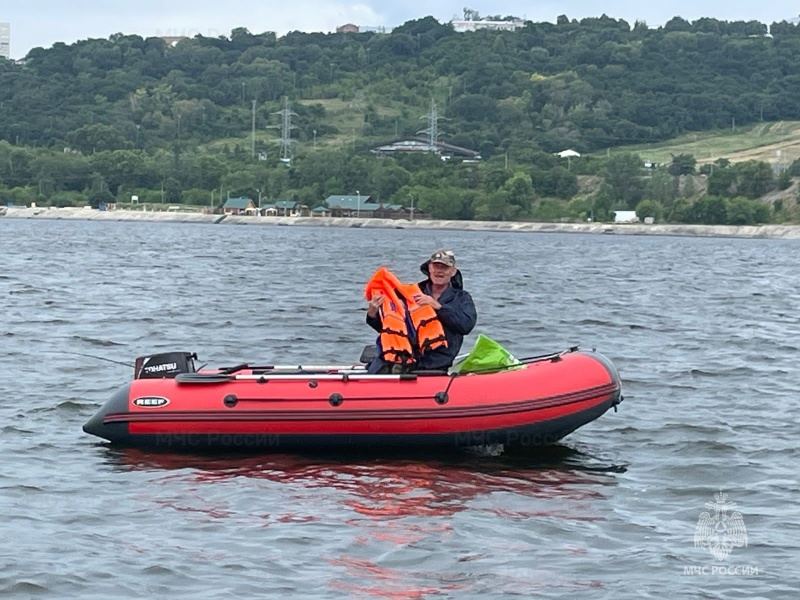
704 331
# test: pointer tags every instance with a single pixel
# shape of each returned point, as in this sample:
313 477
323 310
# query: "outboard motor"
165 365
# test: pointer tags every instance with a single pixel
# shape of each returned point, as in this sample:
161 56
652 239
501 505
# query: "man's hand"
374 304
425 300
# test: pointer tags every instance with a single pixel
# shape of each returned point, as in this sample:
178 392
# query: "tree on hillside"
602 203
557 181
682 164
721 179
709 210
96 137
520 191
754 178
649 208
623 174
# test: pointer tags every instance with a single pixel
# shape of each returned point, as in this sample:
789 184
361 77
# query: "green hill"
106 119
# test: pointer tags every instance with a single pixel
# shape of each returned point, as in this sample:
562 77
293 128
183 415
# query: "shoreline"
732 231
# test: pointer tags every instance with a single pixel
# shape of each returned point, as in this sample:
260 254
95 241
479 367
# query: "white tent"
568 154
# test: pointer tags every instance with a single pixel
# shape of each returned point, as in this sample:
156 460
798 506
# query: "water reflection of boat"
391 485
378 517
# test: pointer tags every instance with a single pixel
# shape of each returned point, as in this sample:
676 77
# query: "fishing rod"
116 362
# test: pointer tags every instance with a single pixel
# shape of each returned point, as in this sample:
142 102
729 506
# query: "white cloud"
298 15
32 26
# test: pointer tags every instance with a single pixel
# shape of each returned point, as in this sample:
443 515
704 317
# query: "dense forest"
104 119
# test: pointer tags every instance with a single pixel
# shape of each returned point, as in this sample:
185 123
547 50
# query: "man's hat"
445 257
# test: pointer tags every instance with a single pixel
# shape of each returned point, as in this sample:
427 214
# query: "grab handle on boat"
304 377
203 378
269 369
557 357
236 369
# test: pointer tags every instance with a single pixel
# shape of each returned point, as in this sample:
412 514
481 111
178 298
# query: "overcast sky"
44 22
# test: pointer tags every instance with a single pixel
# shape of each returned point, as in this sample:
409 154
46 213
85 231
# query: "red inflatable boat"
535 403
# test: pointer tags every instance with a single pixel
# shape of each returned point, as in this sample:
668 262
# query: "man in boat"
437 317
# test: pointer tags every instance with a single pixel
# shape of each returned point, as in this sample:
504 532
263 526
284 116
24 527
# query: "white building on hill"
5 40
462 26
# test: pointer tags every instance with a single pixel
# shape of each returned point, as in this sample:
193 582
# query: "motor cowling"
165 365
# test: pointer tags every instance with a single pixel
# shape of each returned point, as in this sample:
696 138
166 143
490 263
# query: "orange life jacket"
398 344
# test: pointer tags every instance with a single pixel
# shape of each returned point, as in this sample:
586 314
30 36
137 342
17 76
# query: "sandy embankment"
87 214
743 231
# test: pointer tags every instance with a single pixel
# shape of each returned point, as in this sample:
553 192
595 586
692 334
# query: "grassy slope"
346 116
768 142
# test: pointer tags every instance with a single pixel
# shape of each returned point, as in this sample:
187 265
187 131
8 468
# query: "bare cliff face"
786 199
589 184
693 187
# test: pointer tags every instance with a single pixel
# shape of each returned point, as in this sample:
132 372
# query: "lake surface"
705 333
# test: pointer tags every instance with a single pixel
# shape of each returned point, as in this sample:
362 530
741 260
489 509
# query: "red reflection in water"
395 503
387 488
393 583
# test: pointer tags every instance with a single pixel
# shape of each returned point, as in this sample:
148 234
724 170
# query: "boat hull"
536 404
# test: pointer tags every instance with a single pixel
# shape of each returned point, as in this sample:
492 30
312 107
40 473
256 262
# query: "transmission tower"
433 127
286 127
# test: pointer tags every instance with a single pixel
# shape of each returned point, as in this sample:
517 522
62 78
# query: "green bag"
485 355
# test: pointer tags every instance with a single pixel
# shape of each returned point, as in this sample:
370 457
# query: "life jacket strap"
432 344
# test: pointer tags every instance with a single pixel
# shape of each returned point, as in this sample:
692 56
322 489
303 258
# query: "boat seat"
368 354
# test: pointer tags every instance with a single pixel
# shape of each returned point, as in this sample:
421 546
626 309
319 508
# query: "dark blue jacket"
457 315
